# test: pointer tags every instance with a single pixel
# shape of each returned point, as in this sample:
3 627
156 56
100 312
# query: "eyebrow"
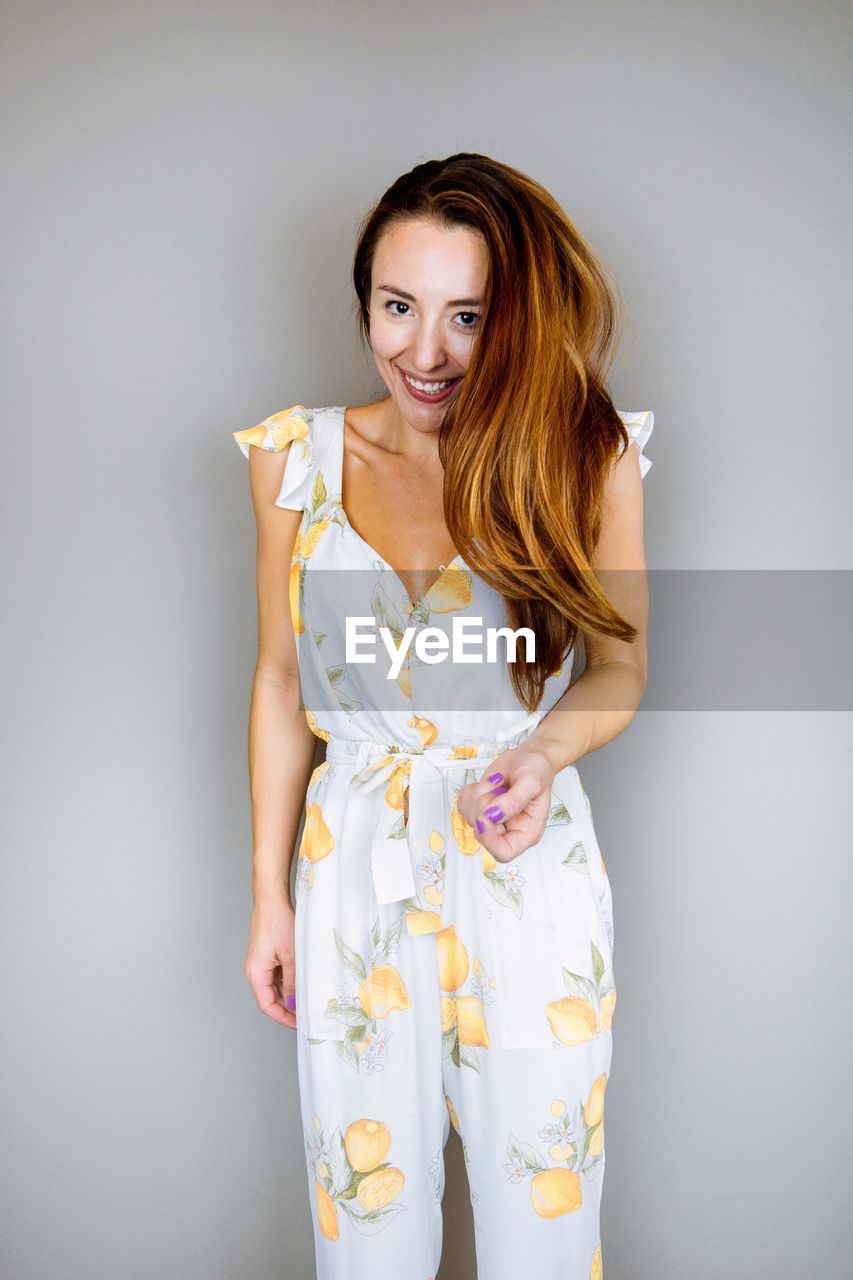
410 297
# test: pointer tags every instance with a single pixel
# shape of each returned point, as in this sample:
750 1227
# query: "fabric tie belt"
396 837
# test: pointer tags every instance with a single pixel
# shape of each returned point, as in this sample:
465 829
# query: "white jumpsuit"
434 985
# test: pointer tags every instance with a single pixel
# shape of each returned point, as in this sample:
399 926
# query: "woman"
450 956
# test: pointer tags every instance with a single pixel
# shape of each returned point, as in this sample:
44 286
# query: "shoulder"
298 441
276 432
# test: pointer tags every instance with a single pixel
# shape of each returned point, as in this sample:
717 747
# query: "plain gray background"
183 183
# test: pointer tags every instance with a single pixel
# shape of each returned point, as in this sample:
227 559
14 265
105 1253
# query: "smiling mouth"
432 388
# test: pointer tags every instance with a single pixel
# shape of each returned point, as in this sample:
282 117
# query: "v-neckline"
341 411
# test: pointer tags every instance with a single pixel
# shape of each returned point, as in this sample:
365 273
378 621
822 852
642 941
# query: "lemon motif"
366 1143
561 1151
596 1142
383 991
558 1107
554 1192
452 959
418 922
327 1213
448 1013
594 1106
380 1188
296 616
463 833
605 1016
397 783
572 1019
281 427
471 1022
595 1272
434 895
426 730
453 590
317 840
436 842
463 753
308 544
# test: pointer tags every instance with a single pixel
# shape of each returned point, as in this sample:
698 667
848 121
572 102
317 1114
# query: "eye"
395 303
473 316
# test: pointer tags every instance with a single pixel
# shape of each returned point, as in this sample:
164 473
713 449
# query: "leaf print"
345 700
503 892
466 1058
318 492
577 985
524 1153
559 816
387 614
338 1163
347 1050
351 959
597 964
351 1015
370 1223
576 858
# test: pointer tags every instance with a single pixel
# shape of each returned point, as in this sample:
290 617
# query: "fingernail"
481 826
495 777
291 1002
498 791
493 813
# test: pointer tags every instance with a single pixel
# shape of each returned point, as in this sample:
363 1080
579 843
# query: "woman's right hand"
270 959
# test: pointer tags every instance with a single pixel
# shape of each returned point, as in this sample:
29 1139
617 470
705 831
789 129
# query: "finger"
521 834
500 809
268 998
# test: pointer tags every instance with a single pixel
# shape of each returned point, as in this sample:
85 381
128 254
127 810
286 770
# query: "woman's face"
425 307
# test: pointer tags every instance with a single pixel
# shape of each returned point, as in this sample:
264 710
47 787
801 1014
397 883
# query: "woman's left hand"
519 803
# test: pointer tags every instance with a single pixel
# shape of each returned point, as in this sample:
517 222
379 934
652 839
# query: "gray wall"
183 185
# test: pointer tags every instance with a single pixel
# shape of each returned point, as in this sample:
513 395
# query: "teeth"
431 388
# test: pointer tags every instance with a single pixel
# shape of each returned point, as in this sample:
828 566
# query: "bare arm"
281 745
606 697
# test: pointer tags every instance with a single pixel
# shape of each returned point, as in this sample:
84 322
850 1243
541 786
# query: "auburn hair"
528 441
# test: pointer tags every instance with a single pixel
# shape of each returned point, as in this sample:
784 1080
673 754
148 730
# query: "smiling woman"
451 944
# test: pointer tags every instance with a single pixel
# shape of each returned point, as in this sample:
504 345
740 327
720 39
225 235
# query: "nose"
428 350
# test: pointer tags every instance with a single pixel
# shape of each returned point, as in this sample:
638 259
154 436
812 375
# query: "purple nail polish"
481 826
495 777
291 1002
498 791
494 814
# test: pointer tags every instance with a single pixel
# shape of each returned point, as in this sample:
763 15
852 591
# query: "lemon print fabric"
383 836
437 987
568 1154
356 1185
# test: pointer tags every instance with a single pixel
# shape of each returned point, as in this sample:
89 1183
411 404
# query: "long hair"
528 440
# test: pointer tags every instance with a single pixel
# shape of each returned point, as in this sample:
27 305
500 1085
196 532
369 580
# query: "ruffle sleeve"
639 427
294 427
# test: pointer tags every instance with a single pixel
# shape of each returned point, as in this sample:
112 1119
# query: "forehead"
423 257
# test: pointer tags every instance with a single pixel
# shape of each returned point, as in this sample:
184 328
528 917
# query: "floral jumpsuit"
434 985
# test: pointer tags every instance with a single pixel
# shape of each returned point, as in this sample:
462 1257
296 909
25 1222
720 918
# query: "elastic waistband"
360 751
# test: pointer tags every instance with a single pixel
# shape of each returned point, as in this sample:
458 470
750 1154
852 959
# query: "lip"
423 397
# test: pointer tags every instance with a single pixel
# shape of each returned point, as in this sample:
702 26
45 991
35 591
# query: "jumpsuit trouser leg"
531 1126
